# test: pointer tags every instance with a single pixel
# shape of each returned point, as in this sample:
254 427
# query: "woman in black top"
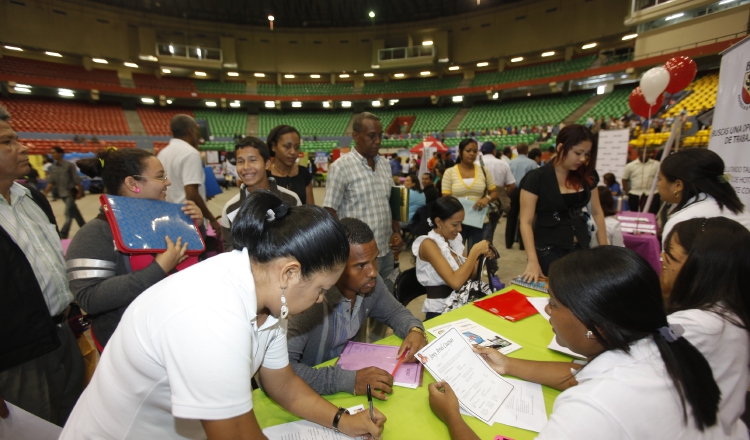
556 194
284 141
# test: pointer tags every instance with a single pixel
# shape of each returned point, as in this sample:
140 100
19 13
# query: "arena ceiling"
307 13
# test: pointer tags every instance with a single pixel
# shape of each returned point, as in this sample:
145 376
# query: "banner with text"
612 154
730 135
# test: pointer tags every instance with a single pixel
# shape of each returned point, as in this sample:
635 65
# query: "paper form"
478 387
524 408
539 304
305 430
22 425
476 334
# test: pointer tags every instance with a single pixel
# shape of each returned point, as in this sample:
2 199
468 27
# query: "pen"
369 401
400 360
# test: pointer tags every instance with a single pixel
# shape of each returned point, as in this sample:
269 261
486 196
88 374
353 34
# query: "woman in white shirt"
706 285
441 264
694 180
643 379
180 363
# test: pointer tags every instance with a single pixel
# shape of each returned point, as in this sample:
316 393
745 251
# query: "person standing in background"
636 183
63 176
284 142
520 166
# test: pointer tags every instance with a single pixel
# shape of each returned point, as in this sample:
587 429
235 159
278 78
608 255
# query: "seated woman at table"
643 379
180 363
614 230
552 221
416 196
694 180
441 264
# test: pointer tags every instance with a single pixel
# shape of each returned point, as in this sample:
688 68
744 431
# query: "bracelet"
337 418
420 331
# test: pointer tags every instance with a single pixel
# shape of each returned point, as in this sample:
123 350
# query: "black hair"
716 273
616 295
444 208
416 181
463 144
508 151
609 179
278 131
607 201
307 233
180 125
551 149
569 137
357 231
254 142
534 153
114 166
701 171
58 149
522 148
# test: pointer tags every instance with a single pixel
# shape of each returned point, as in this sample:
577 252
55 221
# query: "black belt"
438 292
58 319
566 215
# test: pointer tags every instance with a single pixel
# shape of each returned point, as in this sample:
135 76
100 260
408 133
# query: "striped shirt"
353 189
31 230
454 185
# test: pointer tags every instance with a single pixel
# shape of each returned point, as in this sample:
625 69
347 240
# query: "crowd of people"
182 338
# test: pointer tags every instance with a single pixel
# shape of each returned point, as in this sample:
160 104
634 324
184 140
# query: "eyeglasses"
163 179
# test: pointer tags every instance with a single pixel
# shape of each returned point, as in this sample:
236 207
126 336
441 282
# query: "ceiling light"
458 98
371 14
425 73
516 59
326 104
724 2
392 101
296 104
375 66
314 76
14 48
483 64
230 65
53 54
270 104
548 54
99 60
588 46
148 58
369 75
23 86
289 76
398 75
233 74
453 68
65 92
629 37
443 60
427 43
344 75
210 104
22 89
346 104
169 101
270 18
376 103
496 95
199 73
673 16
259 75
147 100
166 71
234 104
133 65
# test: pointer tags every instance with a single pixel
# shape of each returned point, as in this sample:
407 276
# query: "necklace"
273 165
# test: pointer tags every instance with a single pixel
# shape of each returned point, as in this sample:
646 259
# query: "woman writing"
552 221
468 180
284 141
695 182
181 362
643 379
103 280
441 265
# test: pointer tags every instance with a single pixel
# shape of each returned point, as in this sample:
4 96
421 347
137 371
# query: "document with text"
477 334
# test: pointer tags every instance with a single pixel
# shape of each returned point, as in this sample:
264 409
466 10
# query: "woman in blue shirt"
416 196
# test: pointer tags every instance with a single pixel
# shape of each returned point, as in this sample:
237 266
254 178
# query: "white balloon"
653 83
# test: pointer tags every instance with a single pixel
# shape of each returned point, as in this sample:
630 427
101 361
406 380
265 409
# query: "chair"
407 287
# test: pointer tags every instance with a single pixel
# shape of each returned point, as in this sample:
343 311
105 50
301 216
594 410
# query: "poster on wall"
730 133
612 153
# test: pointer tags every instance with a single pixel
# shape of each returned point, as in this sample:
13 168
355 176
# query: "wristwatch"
420 331
337 418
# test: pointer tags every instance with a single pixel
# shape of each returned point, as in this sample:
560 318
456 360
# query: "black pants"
636 203
71 213
549 254
511 226
430 315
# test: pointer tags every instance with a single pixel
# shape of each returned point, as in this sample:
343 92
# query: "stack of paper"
305 430
476 334
359 355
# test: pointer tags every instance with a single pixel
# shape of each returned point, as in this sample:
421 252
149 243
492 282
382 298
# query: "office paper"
539 303
306 430
476 334
473 217
22 425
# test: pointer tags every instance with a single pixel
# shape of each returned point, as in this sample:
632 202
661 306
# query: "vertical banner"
730 135
612 153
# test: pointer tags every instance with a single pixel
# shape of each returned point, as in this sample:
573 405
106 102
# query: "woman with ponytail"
104 280
180 364
643 379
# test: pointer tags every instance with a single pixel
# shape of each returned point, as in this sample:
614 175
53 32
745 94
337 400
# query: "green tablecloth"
408 411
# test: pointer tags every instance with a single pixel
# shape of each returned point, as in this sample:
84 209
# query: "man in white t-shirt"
184 167
636 183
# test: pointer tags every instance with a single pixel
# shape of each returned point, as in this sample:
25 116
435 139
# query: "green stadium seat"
224 122
228 87
305 89
411 85
529 111
615 104
323 123
533 72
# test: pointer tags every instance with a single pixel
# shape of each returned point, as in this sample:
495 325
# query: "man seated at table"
321 333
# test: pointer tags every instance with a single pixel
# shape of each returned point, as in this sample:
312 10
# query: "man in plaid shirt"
359 185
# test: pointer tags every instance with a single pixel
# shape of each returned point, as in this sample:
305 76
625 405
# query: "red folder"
511 305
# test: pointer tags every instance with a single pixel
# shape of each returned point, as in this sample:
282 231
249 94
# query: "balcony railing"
188 52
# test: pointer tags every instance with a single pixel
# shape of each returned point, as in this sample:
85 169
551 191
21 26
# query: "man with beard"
322 332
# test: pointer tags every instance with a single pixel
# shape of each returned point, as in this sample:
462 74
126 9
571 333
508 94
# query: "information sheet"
476 334
479 389
305 430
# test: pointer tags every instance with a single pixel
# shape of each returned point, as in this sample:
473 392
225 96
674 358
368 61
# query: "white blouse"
426 273
705 206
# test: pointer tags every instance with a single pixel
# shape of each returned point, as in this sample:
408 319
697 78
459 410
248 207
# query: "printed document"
476 334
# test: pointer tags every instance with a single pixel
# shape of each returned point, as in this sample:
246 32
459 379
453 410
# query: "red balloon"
682 71
639 105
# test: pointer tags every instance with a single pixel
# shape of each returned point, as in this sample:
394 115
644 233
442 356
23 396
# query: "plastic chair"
407 287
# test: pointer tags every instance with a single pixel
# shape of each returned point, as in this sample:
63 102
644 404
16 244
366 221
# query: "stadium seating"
305 89
228 87
156 120
22 68
411 85
61 116
323 123
224 122
165 83
533 72
615 104
217 146
431 119
313 146
702 96
42 146
530 111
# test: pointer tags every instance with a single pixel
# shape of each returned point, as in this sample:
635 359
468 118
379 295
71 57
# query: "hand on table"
498 361
533 272
378 380
413 342
174 255
194 212
360 424
443 401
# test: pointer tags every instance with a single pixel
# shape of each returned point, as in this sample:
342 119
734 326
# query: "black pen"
369 400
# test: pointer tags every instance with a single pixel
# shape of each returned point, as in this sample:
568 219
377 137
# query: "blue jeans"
474 235
71 213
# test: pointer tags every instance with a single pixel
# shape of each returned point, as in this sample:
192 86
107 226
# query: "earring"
677 194
137 190
284 308
589 334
